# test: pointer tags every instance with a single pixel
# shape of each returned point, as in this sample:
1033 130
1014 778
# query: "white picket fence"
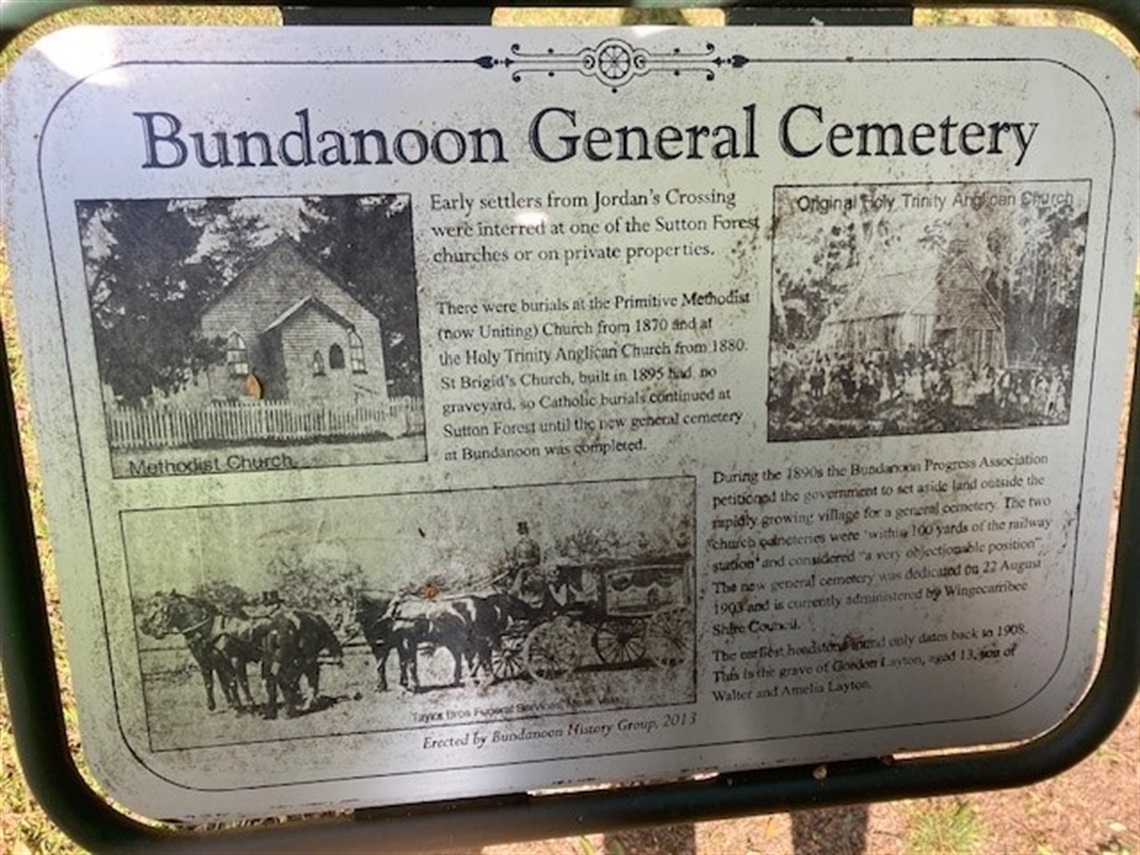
234 423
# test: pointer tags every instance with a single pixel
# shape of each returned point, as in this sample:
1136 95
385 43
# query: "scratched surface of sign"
438 413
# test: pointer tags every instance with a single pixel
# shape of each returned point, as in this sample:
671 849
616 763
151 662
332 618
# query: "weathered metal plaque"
428 414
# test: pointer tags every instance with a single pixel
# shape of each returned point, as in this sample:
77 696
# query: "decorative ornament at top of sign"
615 62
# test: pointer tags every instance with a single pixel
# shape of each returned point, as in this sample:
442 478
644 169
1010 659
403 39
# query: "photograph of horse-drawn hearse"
300 619
924 308
245 334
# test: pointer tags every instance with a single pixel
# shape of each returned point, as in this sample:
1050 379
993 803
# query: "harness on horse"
186 630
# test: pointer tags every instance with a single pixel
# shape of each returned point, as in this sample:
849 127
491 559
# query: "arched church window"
237 357
356 353
336 356
318 363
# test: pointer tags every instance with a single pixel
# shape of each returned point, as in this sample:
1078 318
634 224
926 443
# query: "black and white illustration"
312 618
924 308
255 333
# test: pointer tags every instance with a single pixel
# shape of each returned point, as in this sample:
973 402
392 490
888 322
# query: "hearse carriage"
631 612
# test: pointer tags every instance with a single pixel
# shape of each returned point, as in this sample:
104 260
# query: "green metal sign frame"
32 684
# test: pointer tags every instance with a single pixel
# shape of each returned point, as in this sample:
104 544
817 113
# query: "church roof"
951 292
282 255
309 302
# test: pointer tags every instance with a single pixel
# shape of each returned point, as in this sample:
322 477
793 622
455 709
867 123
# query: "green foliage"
308 580
147 283
226 597
588 544
946 828
612 847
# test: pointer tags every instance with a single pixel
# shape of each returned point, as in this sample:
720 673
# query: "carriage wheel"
619 642
507 661
551 649
667 638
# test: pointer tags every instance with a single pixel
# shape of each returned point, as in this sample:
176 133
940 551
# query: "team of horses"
467 626
290 643
287 643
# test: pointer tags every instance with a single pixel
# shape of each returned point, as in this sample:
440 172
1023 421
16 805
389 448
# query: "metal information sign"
440 413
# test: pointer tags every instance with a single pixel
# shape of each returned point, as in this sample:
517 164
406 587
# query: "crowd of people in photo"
914 385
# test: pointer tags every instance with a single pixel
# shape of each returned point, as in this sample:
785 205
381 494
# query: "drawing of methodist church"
291 332
943 305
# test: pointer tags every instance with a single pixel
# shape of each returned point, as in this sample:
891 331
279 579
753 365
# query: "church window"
237 357
356 353
318 363
336 356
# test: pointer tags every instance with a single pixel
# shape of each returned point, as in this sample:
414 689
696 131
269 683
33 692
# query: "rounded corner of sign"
133 790
1099 33
59 38
1086 693
48 70
1085 48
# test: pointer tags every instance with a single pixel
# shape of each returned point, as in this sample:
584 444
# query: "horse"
374 615
238 641
489 616
467 626
215 651
287 643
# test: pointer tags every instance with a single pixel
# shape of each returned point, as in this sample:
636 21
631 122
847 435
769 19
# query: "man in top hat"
525 560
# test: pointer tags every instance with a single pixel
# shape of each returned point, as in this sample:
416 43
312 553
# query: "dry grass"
1092 810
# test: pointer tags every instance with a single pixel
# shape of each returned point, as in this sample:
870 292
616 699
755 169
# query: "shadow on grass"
830 831
664 840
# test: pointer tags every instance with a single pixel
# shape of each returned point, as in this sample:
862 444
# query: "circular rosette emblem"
615 62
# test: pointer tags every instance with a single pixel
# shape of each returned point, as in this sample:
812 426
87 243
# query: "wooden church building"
943 305
291 332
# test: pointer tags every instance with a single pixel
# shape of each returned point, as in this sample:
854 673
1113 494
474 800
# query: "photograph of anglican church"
911 309
252 334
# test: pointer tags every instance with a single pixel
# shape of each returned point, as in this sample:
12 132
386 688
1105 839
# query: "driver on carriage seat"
525 561
531 581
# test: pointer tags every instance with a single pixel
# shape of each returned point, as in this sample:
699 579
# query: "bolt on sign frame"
33 691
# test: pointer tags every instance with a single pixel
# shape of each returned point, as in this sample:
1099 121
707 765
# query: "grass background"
924 827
